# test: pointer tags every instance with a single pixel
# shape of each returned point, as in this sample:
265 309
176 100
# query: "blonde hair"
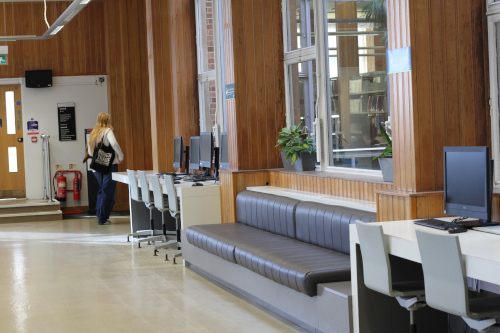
103 122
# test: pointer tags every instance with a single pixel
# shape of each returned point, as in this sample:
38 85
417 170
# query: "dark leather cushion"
292 263
328 226
222 239
267 212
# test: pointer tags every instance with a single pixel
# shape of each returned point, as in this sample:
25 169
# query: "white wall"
41 104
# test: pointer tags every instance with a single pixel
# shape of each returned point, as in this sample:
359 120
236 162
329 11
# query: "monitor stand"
478 223
186 159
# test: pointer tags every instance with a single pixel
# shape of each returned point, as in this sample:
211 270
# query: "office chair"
162 206
146 198
134 195
446 282
377 271
173 206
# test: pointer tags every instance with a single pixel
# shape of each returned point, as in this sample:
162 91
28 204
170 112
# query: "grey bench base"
329 312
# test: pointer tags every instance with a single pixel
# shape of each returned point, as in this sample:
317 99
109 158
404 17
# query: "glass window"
12 152
302 88
11 112
206 36
300 24
208 105
357 84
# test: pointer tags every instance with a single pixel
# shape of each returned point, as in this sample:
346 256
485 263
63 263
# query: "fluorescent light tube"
56 30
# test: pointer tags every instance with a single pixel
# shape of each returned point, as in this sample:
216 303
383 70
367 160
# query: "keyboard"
437 224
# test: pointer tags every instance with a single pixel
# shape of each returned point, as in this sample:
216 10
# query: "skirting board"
329 312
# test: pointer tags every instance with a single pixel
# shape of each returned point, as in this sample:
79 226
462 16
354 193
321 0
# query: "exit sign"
3 59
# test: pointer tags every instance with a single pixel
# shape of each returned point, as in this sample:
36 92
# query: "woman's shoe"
105 223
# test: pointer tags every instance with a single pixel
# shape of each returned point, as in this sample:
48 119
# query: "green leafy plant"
376 12
387 153
295 140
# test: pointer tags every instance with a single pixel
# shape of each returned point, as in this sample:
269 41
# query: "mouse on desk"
457 229
197 184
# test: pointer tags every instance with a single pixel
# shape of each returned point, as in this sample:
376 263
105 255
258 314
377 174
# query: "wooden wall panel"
444 100
396 205
171 48
78 49
128 87
259 88
327 184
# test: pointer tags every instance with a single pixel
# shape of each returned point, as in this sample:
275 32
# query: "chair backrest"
157 192
444 273
132 183
143 181
376 264
328 225
173 204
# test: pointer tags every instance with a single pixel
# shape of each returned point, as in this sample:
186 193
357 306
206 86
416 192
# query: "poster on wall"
67 121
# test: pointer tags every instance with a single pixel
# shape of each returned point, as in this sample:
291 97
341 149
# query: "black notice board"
67 122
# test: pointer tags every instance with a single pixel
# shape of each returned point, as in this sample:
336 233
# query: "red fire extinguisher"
76 186
61 188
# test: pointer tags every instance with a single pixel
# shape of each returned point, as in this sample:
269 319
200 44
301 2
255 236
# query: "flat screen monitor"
206 149
178 151
38 78
468 183
224 152
194 153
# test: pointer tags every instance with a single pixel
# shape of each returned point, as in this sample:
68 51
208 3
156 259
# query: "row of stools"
169 240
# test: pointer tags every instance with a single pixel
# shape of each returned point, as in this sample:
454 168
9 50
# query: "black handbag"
102 159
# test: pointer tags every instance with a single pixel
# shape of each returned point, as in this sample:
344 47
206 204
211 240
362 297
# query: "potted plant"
376 13
385 159
298 150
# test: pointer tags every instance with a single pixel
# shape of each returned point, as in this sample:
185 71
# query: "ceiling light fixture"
73 9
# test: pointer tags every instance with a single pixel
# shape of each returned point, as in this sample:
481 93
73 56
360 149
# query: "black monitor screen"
178 151
467 177
194 153
206 149
224 151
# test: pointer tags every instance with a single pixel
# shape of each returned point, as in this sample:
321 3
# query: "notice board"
67 121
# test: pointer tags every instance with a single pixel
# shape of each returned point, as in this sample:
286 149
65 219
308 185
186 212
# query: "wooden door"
12 181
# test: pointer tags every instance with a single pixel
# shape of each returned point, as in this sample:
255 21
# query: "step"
31 217
24 210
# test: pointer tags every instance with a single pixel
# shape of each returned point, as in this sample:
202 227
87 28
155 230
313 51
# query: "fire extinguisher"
76 186
61 188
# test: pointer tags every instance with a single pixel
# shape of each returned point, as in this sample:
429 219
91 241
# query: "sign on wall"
3 59
399 60
67 121
33 127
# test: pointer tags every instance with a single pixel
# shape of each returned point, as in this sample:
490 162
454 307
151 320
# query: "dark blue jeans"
106 194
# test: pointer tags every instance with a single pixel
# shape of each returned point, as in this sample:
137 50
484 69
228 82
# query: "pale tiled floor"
74 276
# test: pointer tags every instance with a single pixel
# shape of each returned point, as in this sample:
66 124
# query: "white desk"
198 204
481 253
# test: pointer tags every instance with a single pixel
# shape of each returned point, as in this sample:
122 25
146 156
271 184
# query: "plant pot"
304 162
387 170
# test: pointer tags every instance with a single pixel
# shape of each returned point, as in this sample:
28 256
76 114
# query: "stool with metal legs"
154 235
173 206
162 206
134 195
377 272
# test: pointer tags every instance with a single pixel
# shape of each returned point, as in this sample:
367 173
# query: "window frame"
493 18
319 53
217 74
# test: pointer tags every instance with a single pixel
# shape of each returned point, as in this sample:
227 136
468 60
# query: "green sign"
3 59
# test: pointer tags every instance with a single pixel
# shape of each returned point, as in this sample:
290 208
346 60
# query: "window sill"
360 177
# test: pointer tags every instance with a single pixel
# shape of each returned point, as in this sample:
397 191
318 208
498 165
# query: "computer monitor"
178 151
468 182
206 149
194 153
224 152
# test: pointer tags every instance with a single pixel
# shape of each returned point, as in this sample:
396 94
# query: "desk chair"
146 198
378 275
173 206
446 281
134 195
162 206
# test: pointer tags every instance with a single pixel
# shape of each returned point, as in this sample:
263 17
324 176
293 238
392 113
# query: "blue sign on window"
399 60
229 91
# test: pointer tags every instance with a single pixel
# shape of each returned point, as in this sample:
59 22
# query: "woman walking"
103 132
